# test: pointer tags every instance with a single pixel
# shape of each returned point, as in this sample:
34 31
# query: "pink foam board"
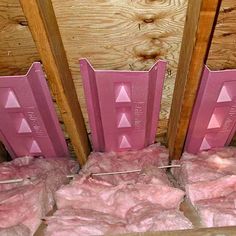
123 106
213 121
28 122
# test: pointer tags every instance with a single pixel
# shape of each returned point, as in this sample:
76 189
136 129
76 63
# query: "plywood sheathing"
17 48
119 21
123 35
222 53
112 34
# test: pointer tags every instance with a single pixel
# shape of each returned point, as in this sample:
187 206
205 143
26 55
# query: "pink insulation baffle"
123 106
28 122
213 121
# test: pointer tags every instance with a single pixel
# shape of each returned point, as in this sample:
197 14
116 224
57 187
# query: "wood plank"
43 25
18 51
17 48
4 156
221 231
198 30
132 35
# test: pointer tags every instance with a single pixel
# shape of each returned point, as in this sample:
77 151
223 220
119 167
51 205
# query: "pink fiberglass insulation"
83 222
211 189
152 217
209 179
88 193
25 167
140 218
23 205
207 165
153 175
217 217
216 212
28 201
135 198
154 155
228 201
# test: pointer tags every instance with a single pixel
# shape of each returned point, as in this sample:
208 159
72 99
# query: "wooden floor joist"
199 27
44 29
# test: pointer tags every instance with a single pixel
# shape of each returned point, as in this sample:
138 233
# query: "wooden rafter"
198 30
44 29
4 156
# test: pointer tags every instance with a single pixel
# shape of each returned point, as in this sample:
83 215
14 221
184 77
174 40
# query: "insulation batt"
28 201
220 187
102 196
217 212
25 167
209 179
83 222
107 193
152 156
217 217
140 218
207 165
152 217
225 202
133 198
23 205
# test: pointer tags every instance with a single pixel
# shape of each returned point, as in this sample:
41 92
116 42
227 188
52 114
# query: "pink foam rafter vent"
213 122
28 122
123 106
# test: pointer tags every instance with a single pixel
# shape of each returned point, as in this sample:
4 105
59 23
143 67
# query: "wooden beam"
4 156
224 231
44 29
198 30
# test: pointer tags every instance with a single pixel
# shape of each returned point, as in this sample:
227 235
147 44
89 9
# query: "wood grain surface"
112 34
131 35
17 48
220 231
222 53
198 31
44 29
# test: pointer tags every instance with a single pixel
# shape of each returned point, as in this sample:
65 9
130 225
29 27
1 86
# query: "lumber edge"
45 31
198 31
